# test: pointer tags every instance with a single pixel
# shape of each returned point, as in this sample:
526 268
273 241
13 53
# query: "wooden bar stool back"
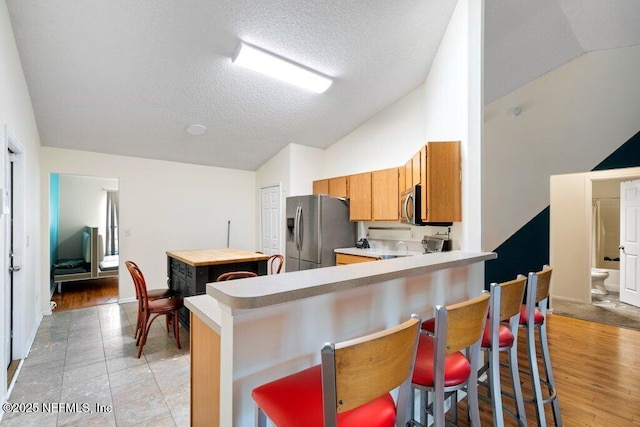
532 318
501 334
351 386
441 368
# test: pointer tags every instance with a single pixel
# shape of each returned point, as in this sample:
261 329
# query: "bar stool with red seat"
441 368
501 334
350 387
532 316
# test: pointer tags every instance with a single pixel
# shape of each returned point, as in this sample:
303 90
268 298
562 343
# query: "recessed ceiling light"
196 129
280 68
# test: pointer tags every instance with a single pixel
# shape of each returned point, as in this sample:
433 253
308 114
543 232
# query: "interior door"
629 242
8 296
270 208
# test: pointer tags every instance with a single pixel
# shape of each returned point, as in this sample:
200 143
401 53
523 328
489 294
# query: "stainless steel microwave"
410 206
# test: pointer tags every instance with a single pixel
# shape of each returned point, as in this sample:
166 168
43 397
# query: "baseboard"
126 300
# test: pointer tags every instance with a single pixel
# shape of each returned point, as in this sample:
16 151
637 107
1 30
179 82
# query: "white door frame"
19 246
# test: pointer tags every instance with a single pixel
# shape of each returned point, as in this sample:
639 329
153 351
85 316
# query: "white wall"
16 113
447 107
572 118
82 202
163 206
570 226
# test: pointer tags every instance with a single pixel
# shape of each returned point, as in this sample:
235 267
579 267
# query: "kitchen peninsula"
188 271
250 331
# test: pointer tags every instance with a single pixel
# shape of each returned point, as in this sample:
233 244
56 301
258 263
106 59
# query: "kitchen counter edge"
263 291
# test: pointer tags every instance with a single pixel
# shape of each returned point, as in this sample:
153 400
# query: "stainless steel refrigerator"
316 225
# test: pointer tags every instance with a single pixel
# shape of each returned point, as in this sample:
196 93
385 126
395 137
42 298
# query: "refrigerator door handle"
297 230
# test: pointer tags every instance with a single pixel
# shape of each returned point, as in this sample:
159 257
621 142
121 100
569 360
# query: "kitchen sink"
391 256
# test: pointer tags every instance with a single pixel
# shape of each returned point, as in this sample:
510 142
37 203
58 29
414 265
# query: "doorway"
14 246
270 221
572 246
77 202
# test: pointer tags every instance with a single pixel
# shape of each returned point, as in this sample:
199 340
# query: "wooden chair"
275 263
501 334
351 386
164 306
152 294
532 318
441 368
232 275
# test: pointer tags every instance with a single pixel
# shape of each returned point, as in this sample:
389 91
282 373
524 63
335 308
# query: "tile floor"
88 357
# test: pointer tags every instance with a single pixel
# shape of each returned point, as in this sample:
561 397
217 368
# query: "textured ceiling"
127 78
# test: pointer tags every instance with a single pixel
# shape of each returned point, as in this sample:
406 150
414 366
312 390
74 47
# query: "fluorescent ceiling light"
277 67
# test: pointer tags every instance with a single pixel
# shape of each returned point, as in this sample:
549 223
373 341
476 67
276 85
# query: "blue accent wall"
54 203
528 249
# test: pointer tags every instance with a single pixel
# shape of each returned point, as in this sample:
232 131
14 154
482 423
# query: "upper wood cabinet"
408 175
416 169
402 182
440 179
334 187
321 186
374 195
360 197
384 199
338 187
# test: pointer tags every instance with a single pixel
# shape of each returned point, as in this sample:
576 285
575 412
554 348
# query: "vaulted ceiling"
127 78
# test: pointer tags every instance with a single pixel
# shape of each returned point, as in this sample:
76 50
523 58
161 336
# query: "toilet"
598 276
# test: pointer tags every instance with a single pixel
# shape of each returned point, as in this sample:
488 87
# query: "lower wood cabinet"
205 374
342 259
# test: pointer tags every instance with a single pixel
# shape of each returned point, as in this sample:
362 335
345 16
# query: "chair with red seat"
152 294
532 317
159 307
501 334
350 387
441 368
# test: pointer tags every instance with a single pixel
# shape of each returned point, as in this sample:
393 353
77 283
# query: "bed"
92 265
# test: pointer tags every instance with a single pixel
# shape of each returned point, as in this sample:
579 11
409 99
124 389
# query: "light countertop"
376 253
263 291
202 257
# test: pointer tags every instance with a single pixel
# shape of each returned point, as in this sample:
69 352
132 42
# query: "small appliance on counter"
362 244
436 244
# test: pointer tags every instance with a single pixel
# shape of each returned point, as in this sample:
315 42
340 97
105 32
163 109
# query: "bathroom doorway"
605 242
573 247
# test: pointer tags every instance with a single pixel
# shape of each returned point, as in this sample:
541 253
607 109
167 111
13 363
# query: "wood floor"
597 372
86 293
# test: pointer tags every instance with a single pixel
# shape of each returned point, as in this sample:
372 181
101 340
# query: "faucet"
406 247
